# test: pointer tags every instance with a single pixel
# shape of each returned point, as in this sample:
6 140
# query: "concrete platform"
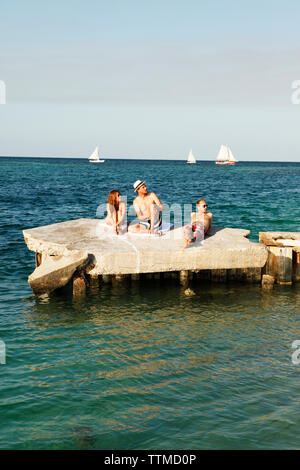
225 248
291 239
283 255
55 272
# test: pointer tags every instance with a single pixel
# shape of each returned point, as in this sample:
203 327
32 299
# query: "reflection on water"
141 365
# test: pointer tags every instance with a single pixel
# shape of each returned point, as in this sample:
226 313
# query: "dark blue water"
142 366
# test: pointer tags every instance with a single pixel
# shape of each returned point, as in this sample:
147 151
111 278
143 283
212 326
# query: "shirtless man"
148 209
201 222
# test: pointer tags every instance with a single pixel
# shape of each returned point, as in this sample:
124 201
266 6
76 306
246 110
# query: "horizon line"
145 158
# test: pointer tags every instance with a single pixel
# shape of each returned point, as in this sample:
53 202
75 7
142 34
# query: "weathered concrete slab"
280 238
225 248
60 239
55 272
283 255
280 264
290 242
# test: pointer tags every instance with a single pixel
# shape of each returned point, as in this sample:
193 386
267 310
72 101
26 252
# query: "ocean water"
141 366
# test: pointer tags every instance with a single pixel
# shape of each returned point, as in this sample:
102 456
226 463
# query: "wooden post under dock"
79 286
283 256
86 245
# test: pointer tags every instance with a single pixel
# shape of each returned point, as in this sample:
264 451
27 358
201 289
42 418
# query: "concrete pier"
283 256
55 271
64 248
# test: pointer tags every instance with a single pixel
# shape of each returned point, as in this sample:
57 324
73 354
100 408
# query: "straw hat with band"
137 184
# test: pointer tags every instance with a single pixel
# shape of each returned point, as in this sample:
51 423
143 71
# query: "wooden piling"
94 281
285 266
106 278
234 274
280 264
119 278
149 275
79 285
184 277
167 275
253 275
219 275
296 266
203 275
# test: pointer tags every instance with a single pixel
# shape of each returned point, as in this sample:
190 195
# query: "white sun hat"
137 184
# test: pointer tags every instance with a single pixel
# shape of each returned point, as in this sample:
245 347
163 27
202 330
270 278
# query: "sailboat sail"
225 156
191 158
95 155
231 157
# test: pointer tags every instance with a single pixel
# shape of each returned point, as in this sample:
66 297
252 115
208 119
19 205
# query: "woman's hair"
113 199
200 200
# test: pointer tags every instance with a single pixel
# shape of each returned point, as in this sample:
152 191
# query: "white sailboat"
225 156
191 158
94 157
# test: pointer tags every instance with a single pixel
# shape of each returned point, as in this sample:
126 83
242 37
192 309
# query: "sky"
150 79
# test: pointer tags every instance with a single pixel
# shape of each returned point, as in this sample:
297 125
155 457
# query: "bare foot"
156 232
187 242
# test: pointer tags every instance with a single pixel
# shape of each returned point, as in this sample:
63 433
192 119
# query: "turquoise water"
141 366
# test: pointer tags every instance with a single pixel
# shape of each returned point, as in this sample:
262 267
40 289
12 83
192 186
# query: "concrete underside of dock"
89 245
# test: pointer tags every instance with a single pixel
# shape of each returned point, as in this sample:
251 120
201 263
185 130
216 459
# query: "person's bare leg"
187 242
137 228
188 235
154 218
122 229
199 232
134 228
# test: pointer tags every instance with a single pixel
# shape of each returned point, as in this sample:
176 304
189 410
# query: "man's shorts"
147 223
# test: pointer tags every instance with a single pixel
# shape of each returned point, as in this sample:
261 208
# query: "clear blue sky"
148 79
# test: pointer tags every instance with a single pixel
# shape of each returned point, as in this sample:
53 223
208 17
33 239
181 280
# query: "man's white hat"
137 184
